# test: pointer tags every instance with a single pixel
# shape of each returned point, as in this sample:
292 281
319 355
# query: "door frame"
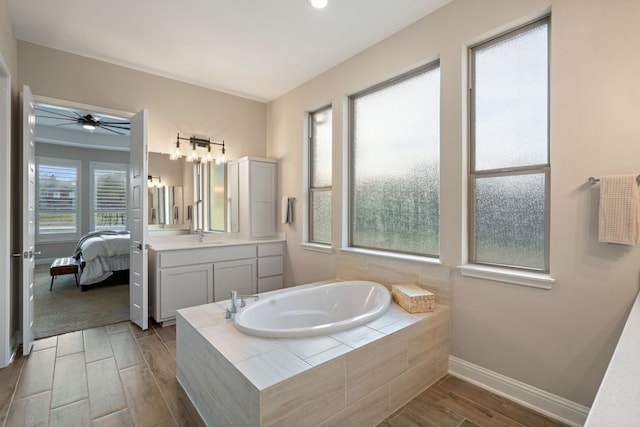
80 106
6 352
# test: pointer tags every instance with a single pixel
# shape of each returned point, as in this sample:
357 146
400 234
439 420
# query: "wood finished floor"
119 375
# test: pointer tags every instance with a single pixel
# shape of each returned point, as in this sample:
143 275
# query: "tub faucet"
234 303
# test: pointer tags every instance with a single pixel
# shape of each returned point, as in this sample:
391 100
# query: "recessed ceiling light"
319 4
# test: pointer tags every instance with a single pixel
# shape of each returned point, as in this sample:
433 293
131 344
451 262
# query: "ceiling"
259 49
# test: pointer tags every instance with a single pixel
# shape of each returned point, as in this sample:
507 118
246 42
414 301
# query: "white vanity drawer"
205 255
270 249
270 266
267 284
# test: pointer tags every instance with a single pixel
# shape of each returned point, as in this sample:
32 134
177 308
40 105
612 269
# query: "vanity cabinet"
181 277
270 266
252 192
182 287
237 275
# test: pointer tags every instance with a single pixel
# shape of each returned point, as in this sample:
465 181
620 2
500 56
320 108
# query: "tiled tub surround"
353 377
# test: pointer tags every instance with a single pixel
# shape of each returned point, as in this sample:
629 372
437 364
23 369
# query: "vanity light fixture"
319 4
200 143
150 178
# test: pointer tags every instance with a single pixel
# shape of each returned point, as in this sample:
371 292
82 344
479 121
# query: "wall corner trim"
539 400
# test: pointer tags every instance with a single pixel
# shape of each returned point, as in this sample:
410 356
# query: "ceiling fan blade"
111 130
115 126
56 113
116 123
67 124
55 118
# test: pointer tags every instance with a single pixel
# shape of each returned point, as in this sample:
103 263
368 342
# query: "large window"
57 205
109 196
509 161
320 176
395 164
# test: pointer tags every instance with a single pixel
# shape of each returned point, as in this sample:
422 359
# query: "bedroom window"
509 153
109 196
395 164
57 199
320 129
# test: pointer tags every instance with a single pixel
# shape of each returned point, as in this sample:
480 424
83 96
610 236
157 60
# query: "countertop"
618 400
176 243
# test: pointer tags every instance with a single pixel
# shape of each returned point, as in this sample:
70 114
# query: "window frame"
311 190
66 163
544 168
351 160
111 166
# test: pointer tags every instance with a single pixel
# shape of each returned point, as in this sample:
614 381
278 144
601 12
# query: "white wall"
173 106
558 340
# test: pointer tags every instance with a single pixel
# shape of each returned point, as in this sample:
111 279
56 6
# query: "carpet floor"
66 308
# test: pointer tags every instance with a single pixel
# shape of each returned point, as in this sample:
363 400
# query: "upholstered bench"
63 266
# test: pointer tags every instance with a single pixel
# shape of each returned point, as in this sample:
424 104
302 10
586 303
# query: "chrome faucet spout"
234 303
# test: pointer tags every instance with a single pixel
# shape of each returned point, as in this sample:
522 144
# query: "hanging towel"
619 220
286 210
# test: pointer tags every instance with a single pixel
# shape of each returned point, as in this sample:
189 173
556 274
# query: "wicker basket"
413 298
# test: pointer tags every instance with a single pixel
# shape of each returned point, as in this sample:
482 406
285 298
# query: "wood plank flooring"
115 375
119 375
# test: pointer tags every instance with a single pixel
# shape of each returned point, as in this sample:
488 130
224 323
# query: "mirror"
185 195
166 205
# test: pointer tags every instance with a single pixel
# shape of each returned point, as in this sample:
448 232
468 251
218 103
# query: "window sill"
497 274
394 255
316 247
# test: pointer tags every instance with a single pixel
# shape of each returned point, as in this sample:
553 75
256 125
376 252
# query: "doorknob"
31 253
137 246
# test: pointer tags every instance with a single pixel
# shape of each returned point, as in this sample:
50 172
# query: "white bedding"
101 255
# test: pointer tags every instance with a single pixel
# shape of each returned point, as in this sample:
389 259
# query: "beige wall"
558 340
173 106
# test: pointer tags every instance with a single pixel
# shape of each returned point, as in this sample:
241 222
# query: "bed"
101 255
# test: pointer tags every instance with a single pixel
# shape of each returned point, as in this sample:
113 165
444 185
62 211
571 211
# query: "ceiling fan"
67 117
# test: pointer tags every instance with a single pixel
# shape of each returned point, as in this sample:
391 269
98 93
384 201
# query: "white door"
5 214
137 220
28 216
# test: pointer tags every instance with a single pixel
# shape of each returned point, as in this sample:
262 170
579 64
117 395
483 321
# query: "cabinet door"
183 287
234 276
263 199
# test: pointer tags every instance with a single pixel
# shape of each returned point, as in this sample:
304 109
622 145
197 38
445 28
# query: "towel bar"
593 180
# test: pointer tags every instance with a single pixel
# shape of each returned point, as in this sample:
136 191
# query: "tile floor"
119 375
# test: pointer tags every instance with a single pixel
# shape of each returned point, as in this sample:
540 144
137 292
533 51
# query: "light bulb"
319 4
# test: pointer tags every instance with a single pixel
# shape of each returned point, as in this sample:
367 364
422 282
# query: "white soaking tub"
317 310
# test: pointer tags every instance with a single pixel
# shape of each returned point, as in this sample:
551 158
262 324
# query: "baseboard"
556 407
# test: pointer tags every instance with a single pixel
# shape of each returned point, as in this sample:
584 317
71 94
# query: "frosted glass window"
320 128
321 216
510 220
511 100
510 167
321 148
395 197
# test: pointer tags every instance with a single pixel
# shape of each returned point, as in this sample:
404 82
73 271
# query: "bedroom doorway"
82 184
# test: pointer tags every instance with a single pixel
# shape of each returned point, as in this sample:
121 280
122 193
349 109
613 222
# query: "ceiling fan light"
319 4
89 126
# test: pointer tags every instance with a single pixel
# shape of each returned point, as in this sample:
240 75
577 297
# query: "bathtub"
314 310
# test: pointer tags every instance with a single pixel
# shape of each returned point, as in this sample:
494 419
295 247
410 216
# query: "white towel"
286 210
619 210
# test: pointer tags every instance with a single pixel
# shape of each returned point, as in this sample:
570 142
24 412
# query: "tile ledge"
497 274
